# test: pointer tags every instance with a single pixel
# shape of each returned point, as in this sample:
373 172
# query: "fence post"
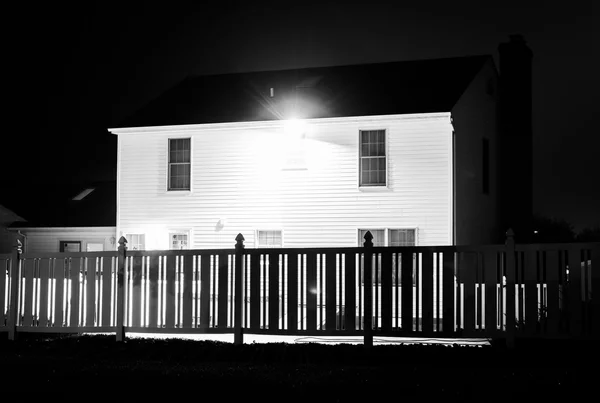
15 280
510 288
238 337
121 288
368 281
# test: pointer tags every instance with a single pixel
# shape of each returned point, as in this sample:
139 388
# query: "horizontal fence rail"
497 291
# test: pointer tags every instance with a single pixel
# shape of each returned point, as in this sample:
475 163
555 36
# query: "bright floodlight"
294 127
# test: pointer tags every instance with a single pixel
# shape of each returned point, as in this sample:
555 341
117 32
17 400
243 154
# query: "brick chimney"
515 138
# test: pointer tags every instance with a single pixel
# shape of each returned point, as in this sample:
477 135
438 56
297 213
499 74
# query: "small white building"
315 157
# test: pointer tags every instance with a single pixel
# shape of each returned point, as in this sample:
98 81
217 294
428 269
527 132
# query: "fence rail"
497 291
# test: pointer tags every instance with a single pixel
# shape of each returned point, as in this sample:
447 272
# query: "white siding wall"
40 240
237 176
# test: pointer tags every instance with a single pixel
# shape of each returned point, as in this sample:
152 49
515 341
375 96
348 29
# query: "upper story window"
269 239
179 164
372 158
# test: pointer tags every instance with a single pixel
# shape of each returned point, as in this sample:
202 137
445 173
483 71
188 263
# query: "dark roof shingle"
405 87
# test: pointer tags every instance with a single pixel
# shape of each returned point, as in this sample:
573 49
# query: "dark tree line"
558 230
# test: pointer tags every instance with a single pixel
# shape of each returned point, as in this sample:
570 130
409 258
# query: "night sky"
80 70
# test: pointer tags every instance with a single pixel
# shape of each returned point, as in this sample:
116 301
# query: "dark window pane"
365 178
372 177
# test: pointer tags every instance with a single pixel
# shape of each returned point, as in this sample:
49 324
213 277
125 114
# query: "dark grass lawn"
96 367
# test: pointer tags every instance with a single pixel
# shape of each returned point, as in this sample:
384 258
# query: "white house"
315 157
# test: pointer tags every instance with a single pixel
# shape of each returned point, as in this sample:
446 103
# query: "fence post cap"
122 242
368 239
510 233
19 246
239 240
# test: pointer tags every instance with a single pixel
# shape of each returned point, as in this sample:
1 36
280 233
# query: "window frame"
169 163
128 236
387 231
385 156
256 238
179 232
62 244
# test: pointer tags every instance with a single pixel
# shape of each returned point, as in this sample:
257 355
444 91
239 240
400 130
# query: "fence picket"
448 291
222 290
44 270
386 291
330 291
531 292
490 275
292 292
108 268
59 295
575 303
4 272
554 311
76 272
427 290
407 291
188 269
205 291
27 295
273 310
91 268
136 294
467 275
169 295
311 291
595 284
350 292
153 291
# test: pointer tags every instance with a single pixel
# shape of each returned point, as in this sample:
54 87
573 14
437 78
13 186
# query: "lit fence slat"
467 274
273 300
292 292
169 296
153 292
108 269
75 271
407 291
205 291
386 291
27 294
92 269
311 291
4 271
350 291
427 290
136 290
448 291
330 291
188 268
59 295
44 268
223 298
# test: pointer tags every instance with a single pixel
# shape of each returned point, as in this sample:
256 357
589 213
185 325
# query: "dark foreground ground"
97 368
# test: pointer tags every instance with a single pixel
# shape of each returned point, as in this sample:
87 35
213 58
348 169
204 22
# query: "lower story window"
389 237
94 247
136 241
70 246
178 241
269 239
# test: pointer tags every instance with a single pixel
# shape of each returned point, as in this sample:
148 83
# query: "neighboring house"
315 157
75 218
8 239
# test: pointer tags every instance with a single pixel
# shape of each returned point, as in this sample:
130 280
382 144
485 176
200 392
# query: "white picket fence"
494 291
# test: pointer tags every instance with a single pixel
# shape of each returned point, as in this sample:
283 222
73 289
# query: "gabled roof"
405 87
53 205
